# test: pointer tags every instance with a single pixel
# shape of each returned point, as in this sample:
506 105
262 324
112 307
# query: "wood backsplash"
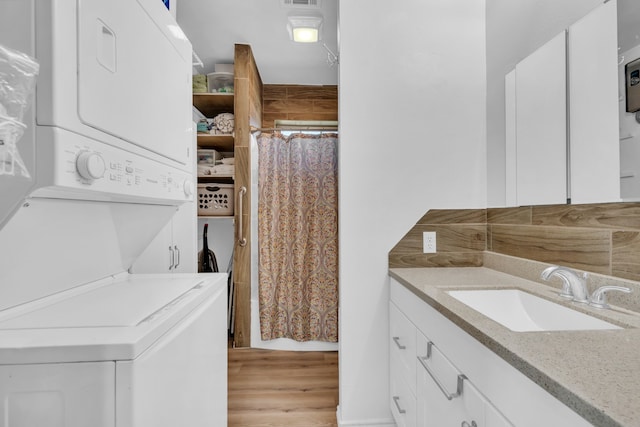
298 102
602 238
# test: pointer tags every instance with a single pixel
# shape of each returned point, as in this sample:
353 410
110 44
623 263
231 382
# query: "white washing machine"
135 350
109 146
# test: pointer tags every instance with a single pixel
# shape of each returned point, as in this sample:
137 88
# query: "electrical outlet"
429 242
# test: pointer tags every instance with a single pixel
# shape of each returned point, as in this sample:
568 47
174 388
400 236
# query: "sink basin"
521 311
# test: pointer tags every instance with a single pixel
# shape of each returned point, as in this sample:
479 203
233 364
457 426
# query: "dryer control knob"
187 186
90 165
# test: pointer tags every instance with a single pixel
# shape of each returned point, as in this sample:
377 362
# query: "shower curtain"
298 236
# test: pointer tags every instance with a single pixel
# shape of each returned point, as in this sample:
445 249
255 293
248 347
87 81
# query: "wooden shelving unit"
246 105
212 104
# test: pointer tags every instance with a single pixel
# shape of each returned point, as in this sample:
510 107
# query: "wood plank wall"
460 240
602 238
298 102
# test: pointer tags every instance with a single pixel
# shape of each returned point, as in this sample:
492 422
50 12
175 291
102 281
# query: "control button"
90 165
129 169
187 187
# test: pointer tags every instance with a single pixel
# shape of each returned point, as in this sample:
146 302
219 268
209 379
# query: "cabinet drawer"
402 399
444 395
402 344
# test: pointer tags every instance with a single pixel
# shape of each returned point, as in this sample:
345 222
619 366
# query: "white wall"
412 138
514 30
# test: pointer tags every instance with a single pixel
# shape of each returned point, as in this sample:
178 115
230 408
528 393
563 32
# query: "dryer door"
134 74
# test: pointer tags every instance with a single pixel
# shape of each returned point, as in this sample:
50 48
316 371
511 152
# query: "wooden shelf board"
209 179
212 104
218 142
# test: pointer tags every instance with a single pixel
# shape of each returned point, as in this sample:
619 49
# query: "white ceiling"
214 26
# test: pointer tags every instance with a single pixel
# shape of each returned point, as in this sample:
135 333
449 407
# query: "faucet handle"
598 298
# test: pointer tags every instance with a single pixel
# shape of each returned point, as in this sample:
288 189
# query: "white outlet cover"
429 242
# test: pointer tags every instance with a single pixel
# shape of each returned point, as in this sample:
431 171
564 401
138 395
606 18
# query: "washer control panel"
85 165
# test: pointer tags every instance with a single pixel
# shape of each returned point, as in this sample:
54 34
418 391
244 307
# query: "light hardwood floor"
282 388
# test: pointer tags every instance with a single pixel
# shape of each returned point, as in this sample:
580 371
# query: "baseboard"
363 423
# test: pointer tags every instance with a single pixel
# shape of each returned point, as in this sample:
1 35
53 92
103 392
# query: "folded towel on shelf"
215 170
224 122
224 169
204 170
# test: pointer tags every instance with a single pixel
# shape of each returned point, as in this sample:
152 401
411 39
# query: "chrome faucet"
573 286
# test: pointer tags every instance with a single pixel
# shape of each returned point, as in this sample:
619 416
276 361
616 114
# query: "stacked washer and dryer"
109 147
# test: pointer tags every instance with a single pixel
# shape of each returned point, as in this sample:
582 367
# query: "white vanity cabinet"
426 389
492 393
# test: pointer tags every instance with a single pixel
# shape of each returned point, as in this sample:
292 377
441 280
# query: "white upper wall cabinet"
541 132
561 117
593 113
511 177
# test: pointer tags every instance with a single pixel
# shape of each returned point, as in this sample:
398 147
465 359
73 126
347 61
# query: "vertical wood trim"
248 112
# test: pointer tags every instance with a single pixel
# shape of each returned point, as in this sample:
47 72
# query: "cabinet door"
593 94
184 234
402 399
403 344
510 154
541 132
174 248
159 256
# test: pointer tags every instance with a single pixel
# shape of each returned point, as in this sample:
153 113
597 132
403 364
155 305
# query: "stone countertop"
595 373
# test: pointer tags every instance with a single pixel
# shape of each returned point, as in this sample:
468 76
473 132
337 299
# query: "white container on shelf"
220 82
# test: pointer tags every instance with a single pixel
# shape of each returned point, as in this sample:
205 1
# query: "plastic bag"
18 73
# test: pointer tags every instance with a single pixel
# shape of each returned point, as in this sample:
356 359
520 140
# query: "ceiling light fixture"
305 29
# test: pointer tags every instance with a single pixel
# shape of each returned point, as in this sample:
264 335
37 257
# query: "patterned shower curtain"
298 236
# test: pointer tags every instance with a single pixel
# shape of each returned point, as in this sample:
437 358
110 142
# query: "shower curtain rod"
317 128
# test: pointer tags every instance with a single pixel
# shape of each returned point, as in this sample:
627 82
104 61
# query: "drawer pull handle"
397 341
466 424
449 396
395 400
